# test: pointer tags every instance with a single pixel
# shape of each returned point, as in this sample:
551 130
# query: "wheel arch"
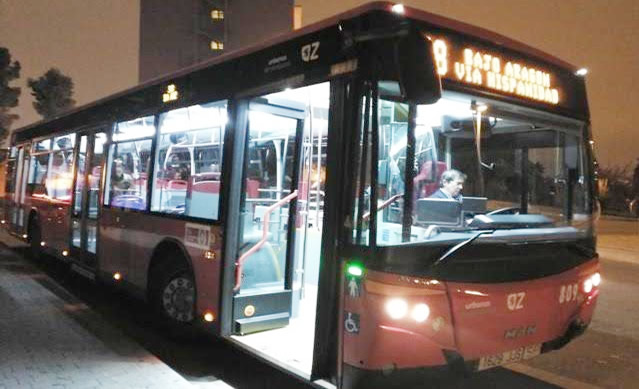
168 251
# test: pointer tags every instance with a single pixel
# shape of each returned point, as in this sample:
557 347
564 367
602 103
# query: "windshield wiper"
585 250
458 246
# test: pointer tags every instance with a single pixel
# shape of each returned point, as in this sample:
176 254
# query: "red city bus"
287 198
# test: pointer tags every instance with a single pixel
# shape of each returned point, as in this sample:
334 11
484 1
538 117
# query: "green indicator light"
355 269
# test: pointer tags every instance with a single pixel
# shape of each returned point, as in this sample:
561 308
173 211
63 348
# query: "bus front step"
261 323
261 311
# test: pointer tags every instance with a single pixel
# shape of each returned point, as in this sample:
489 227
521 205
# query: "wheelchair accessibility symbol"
351 324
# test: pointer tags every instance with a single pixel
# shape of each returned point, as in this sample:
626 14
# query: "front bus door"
275 224
86 193
263 288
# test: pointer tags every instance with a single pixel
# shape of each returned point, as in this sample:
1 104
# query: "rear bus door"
86 194
18 196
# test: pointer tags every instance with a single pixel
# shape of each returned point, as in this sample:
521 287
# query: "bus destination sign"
486 69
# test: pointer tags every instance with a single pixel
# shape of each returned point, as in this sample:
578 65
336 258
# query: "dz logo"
309 52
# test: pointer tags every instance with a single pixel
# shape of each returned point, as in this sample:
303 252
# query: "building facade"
178 33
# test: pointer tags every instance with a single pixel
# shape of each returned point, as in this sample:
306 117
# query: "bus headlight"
396 308
588 285
592 282
420 312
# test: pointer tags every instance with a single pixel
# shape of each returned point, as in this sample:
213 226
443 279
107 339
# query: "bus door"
265 263
86 194
17 197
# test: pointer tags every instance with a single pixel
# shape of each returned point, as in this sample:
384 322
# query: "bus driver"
450 185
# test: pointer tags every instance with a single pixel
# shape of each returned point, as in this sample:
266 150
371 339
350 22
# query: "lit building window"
217 45
217 14
297 17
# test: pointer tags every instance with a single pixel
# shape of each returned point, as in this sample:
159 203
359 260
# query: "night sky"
96 43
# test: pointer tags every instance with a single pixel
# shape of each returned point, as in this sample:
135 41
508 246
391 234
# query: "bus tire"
173 295
35 237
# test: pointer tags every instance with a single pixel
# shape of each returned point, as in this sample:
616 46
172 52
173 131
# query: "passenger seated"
176 169
121 182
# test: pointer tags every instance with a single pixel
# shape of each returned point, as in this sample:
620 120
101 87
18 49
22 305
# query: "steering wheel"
505 211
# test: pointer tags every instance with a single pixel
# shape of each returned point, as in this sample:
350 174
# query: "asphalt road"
607 356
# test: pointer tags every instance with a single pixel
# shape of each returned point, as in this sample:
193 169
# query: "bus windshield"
475 166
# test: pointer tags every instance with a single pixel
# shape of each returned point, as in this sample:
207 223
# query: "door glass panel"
22 185
269 162
95 174
76 225
15 193
79 177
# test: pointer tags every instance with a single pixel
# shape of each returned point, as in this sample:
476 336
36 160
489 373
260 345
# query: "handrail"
385 204
265 225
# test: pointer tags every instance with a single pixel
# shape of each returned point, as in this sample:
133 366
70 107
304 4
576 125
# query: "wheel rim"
177 299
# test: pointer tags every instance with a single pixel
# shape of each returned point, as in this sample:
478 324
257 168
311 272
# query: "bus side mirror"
414 60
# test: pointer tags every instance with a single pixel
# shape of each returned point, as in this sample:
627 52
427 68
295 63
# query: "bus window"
189 160
60 178
11 171
510 166
39 166
128 166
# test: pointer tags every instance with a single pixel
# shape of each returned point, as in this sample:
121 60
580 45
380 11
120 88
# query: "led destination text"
472 66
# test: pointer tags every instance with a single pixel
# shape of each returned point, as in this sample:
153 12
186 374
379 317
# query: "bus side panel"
114 247
54 223
129 239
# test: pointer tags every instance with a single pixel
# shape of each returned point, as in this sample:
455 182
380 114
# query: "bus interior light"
43 243
420 312
396 308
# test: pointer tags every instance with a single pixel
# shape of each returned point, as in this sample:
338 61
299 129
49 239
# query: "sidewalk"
50 339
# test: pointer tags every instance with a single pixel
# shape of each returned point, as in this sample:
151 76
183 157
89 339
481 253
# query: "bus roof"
431 19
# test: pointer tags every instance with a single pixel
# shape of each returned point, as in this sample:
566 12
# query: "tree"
9 71
52 93
615 189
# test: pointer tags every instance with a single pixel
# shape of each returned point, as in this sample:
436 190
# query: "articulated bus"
281 197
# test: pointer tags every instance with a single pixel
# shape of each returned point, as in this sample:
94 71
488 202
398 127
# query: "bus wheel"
176 296
35 236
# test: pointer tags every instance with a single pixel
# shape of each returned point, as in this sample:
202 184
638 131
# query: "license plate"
512 356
